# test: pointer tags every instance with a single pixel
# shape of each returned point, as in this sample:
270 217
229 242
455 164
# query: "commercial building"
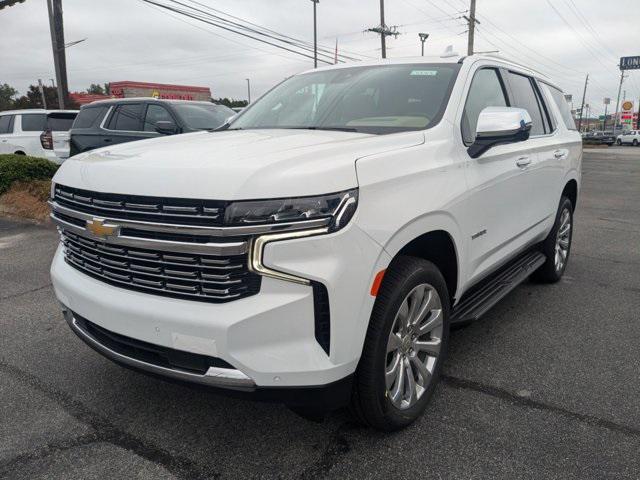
128 89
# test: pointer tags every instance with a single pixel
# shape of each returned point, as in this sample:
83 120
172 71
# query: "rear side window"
486 91
558 98
35 122
6 124
156 113
90 117
525 97
60 122
127 117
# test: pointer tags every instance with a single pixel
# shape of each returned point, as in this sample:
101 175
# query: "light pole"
248 91
423 38
315 35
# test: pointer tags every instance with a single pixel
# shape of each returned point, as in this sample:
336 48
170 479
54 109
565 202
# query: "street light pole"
248 91
617 114
423 38
315 34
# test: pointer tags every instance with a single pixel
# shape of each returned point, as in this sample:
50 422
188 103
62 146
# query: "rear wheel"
557 245
405 346
619 142
635 142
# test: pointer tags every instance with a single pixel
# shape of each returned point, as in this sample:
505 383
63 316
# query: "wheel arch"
570 191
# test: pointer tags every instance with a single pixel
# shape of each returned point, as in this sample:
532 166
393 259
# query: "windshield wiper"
223 127
337 129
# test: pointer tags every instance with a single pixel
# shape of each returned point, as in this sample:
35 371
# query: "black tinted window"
60 122
485 91
35 122
127 117
525 97
6 124
156 113
561 102
200 116
90 117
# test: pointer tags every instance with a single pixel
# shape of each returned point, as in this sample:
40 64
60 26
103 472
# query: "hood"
230 165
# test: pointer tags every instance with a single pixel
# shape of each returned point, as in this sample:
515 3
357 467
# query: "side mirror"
166 127
499 126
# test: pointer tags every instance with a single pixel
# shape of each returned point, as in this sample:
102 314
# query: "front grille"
201 277
148 352
136 207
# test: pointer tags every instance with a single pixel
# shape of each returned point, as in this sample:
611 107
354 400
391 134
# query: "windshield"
378 99
202 116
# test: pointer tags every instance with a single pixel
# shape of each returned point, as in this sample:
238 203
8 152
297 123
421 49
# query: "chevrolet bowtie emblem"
101 229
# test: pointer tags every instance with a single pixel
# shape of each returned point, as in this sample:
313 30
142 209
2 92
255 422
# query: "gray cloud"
129 40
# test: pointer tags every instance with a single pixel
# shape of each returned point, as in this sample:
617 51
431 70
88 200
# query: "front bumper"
267 338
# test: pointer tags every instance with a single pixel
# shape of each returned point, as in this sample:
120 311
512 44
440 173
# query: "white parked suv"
36 132
631 137
317 250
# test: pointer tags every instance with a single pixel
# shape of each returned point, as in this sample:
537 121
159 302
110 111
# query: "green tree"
7 92
96 89
33 99
230 102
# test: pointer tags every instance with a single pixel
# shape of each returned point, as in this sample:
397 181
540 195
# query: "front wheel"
405 346
557 245
635 142
619 142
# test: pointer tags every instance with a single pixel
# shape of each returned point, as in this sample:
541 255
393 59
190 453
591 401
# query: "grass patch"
21 168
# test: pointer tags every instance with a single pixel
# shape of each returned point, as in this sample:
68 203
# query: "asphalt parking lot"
547 385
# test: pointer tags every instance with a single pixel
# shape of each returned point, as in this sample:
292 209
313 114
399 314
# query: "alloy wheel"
563 240
413 347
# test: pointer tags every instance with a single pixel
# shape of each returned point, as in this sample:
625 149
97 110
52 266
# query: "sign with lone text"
630 63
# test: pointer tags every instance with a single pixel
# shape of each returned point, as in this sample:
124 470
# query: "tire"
619 142
555 244
635 142
373 401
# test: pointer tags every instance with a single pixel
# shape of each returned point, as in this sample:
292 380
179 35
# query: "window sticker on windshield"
424 73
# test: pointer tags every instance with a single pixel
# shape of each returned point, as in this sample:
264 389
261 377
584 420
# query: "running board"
477 301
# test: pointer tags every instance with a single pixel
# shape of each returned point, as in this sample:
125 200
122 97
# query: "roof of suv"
447 58
144 99
36 110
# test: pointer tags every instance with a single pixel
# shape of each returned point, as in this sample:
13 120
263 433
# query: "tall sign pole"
607 101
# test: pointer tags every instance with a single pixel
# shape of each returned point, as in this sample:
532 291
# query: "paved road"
547 385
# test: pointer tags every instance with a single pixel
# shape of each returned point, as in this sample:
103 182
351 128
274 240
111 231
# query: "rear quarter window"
90 117
563 106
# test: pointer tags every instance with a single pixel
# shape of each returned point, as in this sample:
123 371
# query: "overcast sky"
130 40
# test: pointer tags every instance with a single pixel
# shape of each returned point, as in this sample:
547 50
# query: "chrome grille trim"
192 229
229 248
226 279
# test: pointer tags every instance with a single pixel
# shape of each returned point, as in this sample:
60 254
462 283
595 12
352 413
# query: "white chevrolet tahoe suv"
317 249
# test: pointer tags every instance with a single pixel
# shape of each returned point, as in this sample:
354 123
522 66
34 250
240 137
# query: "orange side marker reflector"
377 282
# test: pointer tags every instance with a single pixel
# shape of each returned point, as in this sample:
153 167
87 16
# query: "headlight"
337 208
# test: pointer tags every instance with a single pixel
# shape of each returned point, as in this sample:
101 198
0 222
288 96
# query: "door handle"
523 162
559 154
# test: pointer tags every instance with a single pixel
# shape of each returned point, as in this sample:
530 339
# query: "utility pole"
617 114
57 42
248 91
471 19
606 107
383 42
584 95
315 35
383 30
423 38
41 88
